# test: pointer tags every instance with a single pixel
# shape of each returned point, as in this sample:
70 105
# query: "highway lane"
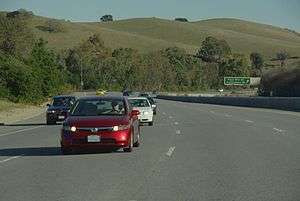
193 152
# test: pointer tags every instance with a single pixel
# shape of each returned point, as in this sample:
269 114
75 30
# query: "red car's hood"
100 121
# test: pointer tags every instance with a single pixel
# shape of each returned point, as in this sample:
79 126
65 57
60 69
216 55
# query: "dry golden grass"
149 34
6 105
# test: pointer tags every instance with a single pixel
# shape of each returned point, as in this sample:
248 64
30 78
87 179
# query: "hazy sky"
284 13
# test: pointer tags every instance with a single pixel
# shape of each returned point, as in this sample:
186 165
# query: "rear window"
98 108
139 102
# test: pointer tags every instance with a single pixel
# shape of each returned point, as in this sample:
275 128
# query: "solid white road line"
278 130
19 131
11 158
170 151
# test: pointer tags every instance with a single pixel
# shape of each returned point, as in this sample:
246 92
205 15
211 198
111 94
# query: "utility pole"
81 78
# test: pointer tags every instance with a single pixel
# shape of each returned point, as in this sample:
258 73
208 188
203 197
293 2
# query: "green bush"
32 79
21 84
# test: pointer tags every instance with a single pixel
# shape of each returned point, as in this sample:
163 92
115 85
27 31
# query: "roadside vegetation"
7 105
31 71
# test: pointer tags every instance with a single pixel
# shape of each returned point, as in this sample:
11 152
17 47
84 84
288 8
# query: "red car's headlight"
121 127
69 128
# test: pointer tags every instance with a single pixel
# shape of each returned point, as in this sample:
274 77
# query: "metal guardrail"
281 103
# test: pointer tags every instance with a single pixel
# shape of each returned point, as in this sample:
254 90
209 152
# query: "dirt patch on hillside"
13 115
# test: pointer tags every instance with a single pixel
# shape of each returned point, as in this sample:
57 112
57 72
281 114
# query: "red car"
101 122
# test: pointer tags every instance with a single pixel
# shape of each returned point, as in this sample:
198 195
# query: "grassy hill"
148 34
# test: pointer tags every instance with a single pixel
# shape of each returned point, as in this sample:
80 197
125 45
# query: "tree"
18 81
44 61
213 50
21 13
282 56
52 26
181 19
236 65
257 61
106 18
15 36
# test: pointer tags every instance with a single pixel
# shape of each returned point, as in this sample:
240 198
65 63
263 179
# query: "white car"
143 105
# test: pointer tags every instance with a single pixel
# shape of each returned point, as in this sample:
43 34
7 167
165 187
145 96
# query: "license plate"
93 138
61 117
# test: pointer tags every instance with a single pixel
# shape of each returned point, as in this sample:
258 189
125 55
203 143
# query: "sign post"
240 81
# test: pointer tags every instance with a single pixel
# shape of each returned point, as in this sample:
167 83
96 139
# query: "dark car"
101 122
58 109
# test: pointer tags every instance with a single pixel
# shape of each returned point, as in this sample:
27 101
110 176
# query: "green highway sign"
236 80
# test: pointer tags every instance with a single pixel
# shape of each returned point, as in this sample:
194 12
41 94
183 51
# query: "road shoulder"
13 115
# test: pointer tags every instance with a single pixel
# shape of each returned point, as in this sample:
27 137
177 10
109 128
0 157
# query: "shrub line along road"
204 152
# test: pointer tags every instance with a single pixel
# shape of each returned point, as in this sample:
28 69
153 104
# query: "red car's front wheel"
130 147
137 143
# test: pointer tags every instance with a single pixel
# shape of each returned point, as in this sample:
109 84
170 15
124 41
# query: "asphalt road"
193 152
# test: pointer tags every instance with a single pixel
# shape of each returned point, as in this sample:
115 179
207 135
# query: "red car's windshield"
98 108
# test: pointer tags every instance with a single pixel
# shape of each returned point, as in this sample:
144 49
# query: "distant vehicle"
101 92
143 105
151 100
58 109
153 105
145 95
154 94
101 122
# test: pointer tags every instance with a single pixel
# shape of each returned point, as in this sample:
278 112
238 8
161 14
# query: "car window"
98 108
151 101
62 101
139 102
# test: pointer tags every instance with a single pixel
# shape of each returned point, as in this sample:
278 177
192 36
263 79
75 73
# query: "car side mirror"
48 105
135 113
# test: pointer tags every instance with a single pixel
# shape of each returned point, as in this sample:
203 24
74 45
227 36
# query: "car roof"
138 97
63 96
121 98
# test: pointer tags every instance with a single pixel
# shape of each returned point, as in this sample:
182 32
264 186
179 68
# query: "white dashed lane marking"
170 117
278 130
178 132
176 123
249 121
170 151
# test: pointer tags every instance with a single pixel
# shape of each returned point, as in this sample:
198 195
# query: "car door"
134 121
